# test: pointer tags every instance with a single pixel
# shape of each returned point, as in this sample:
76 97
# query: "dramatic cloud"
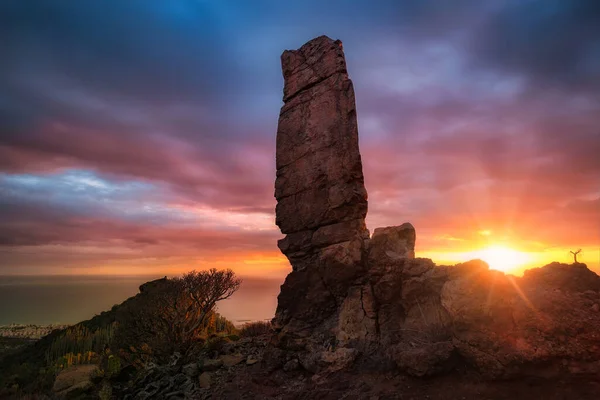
141 134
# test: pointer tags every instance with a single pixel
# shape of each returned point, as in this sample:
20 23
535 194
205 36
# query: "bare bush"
171 315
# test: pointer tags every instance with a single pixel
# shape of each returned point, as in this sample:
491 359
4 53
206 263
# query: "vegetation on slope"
167 315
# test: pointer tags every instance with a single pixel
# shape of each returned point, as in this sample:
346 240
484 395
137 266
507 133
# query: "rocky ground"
380 386
251 369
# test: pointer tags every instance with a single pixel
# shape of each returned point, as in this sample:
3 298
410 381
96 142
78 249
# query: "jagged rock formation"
321 198
354 299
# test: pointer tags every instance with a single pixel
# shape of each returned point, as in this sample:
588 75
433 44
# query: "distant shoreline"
28 331
68 300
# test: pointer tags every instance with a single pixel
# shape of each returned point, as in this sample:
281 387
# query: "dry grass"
256 328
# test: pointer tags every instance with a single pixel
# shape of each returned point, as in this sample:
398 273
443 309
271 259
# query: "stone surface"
76 378
251 360
166 381
321 198
319 171
211 365
315 61
392 243
229 360
204 380
190 369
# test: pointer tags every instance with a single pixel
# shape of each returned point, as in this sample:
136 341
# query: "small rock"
231 360
211 365
251 360
175 394
291 365
596 307
204 380
190 370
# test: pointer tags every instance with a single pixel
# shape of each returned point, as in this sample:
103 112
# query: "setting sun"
502 258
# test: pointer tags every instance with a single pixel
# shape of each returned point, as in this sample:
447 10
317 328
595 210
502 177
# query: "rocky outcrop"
321 198
357 300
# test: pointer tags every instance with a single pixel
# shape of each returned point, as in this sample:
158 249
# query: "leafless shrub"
170 316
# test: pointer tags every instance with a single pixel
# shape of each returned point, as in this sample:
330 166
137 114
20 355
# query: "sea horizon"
70 299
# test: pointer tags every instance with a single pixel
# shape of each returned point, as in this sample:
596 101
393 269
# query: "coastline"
28 331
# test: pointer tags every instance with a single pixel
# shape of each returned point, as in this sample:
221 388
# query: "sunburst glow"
502 258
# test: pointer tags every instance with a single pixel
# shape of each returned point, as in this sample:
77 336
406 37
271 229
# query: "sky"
138 137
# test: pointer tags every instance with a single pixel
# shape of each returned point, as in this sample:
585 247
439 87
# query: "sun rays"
502 258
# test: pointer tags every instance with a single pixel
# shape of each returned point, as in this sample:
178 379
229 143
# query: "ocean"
46 300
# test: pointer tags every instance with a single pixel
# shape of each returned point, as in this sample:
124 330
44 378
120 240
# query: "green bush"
215 344
233 337
113 366
105 392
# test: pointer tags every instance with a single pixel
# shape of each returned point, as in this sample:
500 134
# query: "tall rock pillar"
320 192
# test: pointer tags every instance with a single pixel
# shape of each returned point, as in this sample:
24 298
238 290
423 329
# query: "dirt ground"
251 383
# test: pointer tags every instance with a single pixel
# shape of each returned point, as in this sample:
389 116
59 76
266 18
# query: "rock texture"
206 378
74 380
357 300
321 198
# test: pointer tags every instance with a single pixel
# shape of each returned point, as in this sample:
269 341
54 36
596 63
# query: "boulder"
75 378
229 360
205 380
392 244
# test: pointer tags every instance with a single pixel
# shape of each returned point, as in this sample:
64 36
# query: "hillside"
32 367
